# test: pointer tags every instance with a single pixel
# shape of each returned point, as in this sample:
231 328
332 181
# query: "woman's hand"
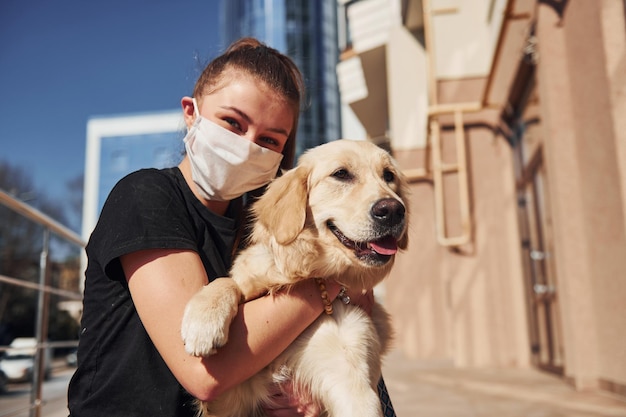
286 404
358 297
361 298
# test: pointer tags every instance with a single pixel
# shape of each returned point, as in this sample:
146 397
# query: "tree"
21 243
75 201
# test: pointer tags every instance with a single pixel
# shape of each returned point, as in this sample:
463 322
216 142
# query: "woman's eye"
269 141
232 122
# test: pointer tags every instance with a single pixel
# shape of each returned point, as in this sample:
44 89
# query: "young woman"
163 234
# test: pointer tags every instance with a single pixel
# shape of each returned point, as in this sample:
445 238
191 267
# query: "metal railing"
44 290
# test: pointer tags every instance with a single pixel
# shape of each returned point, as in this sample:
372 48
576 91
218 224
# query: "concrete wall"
473 305
465 306
584 160
469 306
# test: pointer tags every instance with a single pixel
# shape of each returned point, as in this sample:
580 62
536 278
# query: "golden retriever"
340 214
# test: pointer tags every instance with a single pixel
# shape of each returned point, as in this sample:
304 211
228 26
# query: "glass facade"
119 145
306 30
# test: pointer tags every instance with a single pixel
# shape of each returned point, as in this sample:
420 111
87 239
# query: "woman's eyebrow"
239 112
249 120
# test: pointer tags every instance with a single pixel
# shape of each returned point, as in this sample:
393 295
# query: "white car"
19 360
3 382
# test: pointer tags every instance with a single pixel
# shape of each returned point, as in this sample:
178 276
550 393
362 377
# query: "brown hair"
265 64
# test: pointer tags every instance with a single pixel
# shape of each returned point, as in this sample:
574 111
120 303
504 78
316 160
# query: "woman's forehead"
231 75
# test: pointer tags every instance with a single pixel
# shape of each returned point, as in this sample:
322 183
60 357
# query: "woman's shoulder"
144 202
146 186
152 175
149 181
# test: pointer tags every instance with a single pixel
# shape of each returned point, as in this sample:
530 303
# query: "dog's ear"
282 209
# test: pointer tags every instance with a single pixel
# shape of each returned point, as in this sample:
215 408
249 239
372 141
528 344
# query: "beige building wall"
476 304
407 90
463 306
583 161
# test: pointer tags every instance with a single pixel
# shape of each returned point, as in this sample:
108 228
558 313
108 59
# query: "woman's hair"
264 64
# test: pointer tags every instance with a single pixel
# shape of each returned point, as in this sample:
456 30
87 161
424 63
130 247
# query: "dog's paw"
206 321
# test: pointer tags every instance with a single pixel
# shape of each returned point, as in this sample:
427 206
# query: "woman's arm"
161 282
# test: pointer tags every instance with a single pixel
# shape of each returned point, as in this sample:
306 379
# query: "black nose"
388 211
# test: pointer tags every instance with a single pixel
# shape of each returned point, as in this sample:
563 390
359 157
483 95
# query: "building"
119 145
305 30
508 117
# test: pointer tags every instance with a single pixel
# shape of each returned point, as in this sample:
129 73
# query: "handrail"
39 217
44 290
39 287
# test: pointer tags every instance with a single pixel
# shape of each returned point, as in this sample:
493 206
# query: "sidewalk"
433 390
427 389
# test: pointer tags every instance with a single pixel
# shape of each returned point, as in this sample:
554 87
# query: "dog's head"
345 202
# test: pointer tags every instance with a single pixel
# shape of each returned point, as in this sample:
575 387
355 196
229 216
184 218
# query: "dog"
340 214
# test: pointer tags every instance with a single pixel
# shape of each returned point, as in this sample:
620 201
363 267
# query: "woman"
163 234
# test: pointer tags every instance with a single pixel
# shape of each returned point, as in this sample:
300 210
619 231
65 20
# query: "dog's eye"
389 176
342 174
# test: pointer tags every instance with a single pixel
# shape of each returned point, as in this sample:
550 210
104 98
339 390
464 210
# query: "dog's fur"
340 214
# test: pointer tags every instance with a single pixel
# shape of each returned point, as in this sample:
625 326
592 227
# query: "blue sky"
64 61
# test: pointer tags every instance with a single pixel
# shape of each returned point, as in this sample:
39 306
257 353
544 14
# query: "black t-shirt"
120 373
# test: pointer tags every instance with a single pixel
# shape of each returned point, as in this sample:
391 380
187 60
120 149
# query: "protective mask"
224 165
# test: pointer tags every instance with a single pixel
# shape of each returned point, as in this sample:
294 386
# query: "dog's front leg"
338 359
208 316
353 392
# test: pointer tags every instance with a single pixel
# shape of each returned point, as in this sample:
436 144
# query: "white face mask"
224 165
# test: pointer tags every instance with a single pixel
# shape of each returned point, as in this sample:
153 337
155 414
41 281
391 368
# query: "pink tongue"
385 246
